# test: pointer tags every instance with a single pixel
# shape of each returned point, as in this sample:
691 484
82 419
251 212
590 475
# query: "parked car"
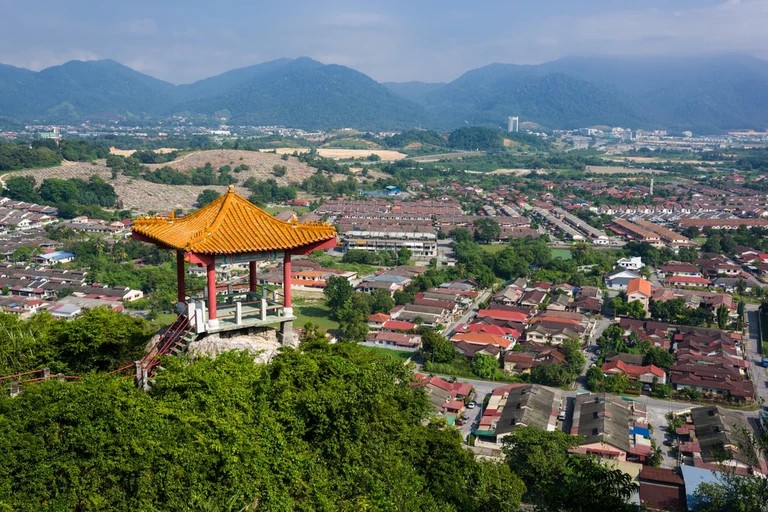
471 405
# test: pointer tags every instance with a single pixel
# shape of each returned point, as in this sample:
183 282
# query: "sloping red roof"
630 369
639 285
498 330
660 475
481 338
398 325
500 314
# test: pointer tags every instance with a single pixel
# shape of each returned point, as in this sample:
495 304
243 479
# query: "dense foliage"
47 153
556 480
98 340
72 196
476 138
327 428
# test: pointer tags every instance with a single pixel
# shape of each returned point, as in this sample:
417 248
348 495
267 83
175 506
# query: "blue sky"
394 40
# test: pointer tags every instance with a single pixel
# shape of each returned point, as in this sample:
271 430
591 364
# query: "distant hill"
79 90
307 94
706 95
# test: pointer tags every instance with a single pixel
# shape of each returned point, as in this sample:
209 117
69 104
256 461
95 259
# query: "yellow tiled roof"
231 225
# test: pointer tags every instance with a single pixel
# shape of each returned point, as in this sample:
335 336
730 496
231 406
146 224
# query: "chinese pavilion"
233 230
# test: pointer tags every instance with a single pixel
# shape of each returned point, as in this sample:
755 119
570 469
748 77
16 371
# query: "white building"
633 263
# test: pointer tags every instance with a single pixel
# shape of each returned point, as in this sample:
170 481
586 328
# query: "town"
615 302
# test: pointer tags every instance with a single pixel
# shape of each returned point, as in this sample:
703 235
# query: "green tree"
484 366
556 480
460 235
659 357
574 356
404 256
486 229
722 315
381 301
21 188
595 379
635 309
436 348
732 493
338 291
551 375
206 196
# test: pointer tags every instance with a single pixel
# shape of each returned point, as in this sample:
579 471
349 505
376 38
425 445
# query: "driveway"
600 325
469 315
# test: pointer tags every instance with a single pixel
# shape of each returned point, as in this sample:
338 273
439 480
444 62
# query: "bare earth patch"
384 154
604 169
128 152
142 196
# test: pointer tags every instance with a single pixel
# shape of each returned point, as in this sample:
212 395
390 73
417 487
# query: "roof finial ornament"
231 189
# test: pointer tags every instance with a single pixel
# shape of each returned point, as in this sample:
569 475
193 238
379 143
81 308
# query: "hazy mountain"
304 93
418 92
76 90
488 95
701 94
236 77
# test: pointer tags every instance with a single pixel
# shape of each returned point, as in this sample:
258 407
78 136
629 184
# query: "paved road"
589 350
757 372
466 317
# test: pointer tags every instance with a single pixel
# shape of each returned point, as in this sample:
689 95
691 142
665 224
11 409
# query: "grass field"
563 254
493 248
163 320
315 312
400 355
274 210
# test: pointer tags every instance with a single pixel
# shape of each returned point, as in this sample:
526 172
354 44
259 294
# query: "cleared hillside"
142 196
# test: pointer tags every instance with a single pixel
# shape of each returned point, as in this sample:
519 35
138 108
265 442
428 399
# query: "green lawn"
315 312
163 320
563 254
274 210
401 355
493 248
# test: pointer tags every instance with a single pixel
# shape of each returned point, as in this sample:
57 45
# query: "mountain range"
702 94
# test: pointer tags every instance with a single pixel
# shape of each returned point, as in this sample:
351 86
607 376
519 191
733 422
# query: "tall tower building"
513 124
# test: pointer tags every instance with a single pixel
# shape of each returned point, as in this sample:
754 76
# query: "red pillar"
211 277
287 281
180 286
252 276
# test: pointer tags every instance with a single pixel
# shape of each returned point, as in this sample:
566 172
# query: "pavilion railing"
241 307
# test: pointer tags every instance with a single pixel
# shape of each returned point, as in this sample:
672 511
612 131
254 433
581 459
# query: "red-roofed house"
377 320
494 329
635 372
499 314
700 282
397 340
639 289
398 326
481 338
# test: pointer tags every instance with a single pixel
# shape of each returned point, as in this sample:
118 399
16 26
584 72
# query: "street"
589 350
757 372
